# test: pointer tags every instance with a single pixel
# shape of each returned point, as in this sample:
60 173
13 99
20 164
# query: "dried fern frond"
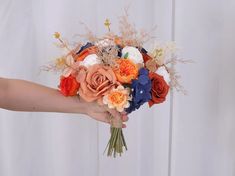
130 35
108 55
174 75
56 66
89 35
175 80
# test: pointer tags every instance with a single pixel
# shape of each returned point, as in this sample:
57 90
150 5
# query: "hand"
102 112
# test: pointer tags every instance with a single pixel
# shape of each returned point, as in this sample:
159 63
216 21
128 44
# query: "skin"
21 95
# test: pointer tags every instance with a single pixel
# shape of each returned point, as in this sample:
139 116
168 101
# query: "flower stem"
116 142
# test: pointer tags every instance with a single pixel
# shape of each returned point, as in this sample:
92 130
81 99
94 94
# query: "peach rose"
96 83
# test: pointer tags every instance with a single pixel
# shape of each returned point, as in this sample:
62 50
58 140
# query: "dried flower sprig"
166 55
107 55
63 44
56 66
89 35
107 24
174 75
130 35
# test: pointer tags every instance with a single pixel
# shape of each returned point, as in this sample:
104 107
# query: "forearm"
20 95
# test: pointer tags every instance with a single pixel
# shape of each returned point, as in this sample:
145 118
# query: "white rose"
90 60
162 71
133 54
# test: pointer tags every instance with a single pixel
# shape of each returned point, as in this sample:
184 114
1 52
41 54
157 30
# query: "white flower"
105 43
90 60
133 54
163 72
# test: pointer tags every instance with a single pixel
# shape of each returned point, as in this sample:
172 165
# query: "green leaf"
126 55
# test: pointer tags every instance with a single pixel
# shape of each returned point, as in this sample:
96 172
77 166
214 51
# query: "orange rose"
81 56
126 71
97 82
69 86
159 89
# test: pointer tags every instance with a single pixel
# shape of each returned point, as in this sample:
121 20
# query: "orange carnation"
118 98
126 71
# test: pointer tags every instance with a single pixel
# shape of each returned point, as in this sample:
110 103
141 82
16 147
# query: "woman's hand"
102 113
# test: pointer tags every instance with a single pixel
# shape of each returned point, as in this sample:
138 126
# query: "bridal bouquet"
116 71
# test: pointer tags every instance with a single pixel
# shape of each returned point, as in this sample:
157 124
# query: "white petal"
69 60
105 100
133 54
120 87
110 106
162 71
127 104
120 109
105 43
90 60
67 72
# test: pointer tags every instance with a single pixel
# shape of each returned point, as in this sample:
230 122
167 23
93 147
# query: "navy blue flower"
144 51
140 90
88 45
119 49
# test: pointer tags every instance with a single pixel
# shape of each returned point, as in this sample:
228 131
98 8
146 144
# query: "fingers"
114 113
123 125
123 113
105 117
101 116
104 114
125 118
117 115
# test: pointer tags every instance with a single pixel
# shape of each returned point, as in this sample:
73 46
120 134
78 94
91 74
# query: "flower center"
116 97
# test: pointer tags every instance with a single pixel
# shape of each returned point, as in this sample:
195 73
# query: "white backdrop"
51 144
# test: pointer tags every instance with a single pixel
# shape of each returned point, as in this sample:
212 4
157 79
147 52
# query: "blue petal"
119 50
88 44
141 90
134 83
143 71
143 79
144 50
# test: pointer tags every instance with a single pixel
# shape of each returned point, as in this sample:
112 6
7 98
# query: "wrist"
80 106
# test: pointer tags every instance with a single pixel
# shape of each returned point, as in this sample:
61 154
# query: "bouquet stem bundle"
116 141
